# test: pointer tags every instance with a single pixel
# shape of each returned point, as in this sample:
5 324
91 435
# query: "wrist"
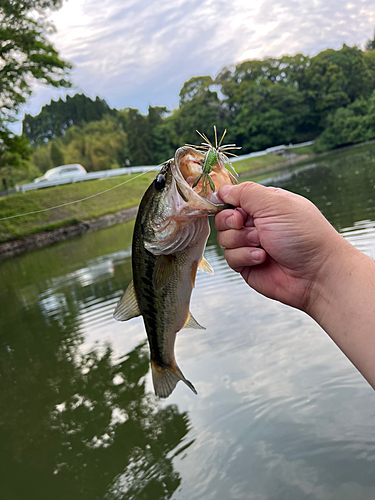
336 267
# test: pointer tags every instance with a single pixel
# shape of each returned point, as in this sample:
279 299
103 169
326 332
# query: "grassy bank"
122 197
125 196
257 162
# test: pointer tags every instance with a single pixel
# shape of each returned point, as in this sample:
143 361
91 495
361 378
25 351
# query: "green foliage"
14 149
55 118
258 162
270 114
25 56
99 145
350 125
14 153
57 157
370 45
334 79
195 88
151 138
125 196
261 103
137 128
200 109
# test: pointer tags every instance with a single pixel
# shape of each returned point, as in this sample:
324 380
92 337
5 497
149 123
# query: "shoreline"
42 239
275 166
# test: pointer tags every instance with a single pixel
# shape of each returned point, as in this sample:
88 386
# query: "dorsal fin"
205 266
127 306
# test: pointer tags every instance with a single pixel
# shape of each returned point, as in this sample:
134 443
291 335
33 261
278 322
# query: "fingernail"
252 237
230 222
224 190
256 255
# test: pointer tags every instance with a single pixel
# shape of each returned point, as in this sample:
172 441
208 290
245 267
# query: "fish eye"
159 182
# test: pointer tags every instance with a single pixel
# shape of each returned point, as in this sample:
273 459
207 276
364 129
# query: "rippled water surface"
280 412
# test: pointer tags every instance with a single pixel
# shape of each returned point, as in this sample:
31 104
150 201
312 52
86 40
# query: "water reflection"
280 412
76 424
343 188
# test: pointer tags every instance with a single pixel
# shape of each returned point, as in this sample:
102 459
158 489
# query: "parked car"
62 172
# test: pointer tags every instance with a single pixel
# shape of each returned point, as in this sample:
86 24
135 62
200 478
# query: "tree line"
262 103
328 97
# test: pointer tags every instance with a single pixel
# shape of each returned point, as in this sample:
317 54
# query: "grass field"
303 150
125 196
257 162
117 199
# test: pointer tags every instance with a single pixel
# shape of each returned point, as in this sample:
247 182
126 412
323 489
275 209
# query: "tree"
163 137
370 45
14 149
25 56
334 79
200 109
57 156
267 114
136 126
350 125
56 117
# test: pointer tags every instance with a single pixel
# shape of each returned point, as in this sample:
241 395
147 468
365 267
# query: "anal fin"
191 322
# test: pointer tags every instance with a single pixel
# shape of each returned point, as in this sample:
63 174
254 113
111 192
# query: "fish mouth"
186 169
180 209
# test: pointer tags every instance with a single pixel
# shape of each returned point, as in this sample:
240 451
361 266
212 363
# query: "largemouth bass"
170 234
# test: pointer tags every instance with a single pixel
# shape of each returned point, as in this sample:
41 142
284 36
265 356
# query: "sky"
136 53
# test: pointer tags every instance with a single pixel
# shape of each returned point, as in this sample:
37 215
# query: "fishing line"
76 201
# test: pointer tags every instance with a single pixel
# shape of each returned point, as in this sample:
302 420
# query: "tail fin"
165 379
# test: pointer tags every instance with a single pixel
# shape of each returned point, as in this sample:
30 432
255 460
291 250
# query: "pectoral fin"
163 271
127 306
205 266
193 323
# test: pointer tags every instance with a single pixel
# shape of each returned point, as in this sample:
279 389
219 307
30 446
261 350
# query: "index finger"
229 219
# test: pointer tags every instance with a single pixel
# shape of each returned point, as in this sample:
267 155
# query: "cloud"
139 53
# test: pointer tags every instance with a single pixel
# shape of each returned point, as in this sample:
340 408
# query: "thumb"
251 197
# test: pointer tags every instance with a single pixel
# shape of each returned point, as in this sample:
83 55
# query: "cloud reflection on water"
280 412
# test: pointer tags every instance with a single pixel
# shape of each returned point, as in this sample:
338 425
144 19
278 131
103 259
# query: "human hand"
296 242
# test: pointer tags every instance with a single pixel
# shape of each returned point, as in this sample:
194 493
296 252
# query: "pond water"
280 412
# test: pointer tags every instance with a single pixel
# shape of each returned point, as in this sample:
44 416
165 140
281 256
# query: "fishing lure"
214 155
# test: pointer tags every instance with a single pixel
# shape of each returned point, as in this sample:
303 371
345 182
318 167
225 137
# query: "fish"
169 238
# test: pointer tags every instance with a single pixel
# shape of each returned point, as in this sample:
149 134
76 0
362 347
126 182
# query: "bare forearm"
344 306
302 261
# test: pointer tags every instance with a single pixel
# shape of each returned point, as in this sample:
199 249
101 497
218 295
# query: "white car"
62 172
